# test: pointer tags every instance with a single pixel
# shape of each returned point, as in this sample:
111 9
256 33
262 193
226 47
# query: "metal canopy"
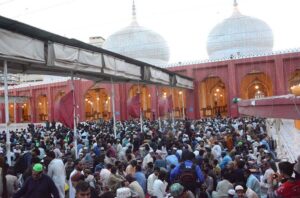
14 99
30 50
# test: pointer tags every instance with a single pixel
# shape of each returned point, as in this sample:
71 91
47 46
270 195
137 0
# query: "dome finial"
235 4
133 11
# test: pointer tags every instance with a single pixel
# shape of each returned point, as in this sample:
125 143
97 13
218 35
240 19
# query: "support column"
191 103
18 112
279 86
33 109
154 105
232 88
50 101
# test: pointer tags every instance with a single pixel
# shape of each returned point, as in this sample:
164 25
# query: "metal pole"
74 117
6 115
141 112
158 112
173 119
15 111
183 113
113 107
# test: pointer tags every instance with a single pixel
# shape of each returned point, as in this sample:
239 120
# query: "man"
78 170
252 182
83 190
189 173
266 182
141 178
56 171
38 185
151 179
226 159
217 151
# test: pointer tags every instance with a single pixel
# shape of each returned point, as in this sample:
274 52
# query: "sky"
185 24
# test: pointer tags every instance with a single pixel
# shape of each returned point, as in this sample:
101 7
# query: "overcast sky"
185 24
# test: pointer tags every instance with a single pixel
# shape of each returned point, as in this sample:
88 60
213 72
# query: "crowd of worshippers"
206 158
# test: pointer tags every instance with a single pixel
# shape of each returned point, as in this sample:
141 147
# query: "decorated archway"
178 100
213 97
256 85
97 104
26 111
42 108
294 83
145 99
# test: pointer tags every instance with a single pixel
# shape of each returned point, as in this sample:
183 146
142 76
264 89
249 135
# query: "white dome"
239 35
139 43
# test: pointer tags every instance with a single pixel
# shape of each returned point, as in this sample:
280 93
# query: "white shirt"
150 182
56 171
159 188
72 191
104 176
216 151
266 181
148 158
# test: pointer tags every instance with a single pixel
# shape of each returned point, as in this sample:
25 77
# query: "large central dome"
139 43
239 35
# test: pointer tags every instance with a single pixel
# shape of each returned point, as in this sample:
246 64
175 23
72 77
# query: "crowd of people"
206 158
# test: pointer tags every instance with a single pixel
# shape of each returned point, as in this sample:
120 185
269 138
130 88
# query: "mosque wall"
279 69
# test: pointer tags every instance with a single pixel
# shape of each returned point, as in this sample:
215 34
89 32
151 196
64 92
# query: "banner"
64 111
134 106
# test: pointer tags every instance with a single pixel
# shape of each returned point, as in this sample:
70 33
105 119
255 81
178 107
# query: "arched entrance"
294 83
42 108
178 99
26 112
145 99
256 85
213 97
97 104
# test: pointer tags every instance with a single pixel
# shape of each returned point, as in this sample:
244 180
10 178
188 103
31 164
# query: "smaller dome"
139 43
239 35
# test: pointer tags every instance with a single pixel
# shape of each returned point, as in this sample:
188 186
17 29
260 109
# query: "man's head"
156 171
83 190
177 190
240 191
78 165
286 169
37 171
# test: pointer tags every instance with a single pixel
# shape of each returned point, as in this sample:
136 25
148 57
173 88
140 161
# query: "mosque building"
242 64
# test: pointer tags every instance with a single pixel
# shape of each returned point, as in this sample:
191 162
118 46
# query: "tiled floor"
288 138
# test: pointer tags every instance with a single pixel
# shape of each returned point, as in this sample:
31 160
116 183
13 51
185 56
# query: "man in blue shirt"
226 159
179 170
141 178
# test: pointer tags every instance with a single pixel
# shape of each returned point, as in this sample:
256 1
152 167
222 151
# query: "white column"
158 112
141 112
6 115
182 98
74 117
15 110
113 107
173 119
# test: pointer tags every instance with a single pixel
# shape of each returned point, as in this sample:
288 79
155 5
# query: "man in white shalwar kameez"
57 172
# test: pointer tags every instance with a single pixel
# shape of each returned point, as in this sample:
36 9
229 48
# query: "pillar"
232 88
154 102
32 106
50 100
280 83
